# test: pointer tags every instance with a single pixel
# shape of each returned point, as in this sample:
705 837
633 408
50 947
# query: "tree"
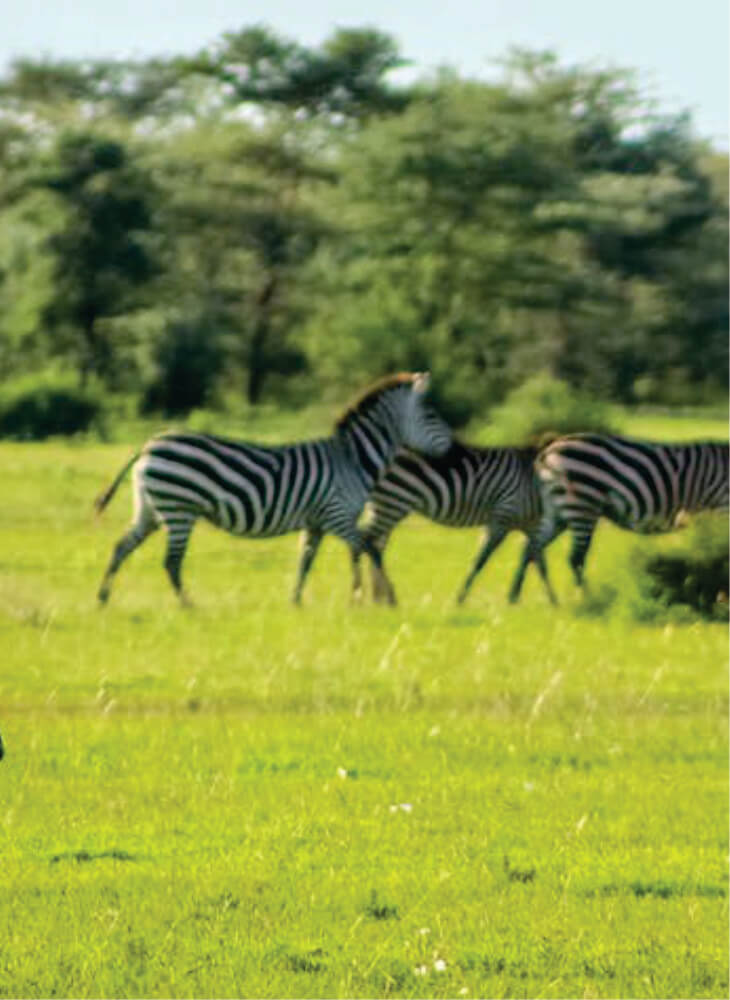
241 222
442 240
101 258
308 217
648 221
345 76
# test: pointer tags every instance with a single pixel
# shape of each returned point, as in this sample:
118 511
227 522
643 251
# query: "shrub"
188 361
692 576
542 406
38 407
454 406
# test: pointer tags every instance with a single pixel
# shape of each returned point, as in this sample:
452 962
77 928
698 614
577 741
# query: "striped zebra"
466 487
261 491
643 486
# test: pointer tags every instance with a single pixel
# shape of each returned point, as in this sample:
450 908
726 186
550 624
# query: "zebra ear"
421 381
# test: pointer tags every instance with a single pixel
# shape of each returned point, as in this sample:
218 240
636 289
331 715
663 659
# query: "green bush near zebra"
678 579
688 578
544 405
38 407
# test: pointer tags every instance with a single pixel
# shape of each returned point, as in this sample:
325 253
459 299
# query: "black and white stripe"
643 486
259 491
467 487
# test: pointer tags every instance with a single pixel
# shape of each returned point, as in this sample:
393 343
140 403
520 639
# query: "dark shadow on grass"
113 855
467 619
379 909
660 889
314 960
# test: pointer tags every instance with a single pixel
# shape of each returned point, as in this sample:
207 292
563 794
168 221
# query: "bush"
188 361
542 406
455 406
38 407
692 575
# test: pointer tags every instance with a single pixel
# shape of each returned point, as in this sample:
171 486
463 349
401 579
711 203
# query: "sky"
680 50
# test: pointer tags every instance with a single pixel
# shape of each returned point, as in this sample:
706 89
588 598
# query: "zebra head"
422 429
393 414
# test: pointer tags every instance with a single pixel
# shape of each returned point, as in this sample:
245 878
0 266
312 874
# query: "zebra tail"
541 439
103 499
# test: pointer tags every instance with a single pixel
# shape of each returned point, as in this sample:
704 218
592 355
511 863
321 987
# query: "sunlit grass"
247 799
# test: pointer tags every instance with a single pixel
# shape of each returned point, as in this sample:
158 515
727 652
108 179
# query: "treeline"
269 222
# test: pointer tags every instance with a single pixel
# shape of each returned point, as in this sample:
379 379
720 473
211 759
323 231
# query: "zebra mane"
367 399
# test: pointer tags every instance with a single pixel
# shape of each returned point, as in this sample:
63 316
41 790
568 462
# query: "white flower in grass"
341 772
439 965
420 970
405 807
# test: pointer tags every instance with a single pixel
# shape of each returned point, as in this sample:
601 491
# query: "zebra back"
241 487
467 486
263 490
641 485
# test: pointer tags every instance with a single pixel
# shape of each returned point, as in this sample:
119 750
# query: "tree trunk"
89 359
257 367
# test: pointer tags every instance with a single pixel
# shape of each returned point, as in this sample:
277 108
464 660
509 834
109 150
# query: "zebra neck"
369 447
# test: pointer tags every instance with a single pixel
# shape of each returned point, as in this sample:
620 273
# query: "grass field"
247 799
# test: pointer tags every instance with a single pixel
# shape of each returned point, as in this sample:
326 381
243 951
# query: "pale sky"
680 49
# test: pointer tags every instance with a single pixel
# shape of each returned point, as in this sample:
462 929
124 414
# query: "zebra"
466 487
642 486
262 491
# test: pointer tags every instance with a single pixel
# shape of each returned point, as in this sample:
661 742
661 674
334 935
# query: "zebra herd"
391 450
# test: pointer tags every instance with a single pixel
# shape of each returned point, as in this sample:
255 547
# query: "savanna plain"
250 799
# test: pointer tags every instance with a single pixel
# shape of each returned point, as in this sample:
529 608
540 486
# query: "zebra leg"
528 554
356 575
178 533
532 552
539 558
547 531
383 590
312 540
582 531
495 535
145 524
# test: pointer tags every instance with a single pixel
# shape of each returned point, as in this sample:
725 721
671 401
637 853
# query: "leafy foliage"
544 406
328 225
693 574
35 408
188 360
99 255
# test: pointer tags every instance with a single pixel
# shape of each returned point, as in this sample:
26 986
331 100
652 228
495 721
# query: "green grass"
248 799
